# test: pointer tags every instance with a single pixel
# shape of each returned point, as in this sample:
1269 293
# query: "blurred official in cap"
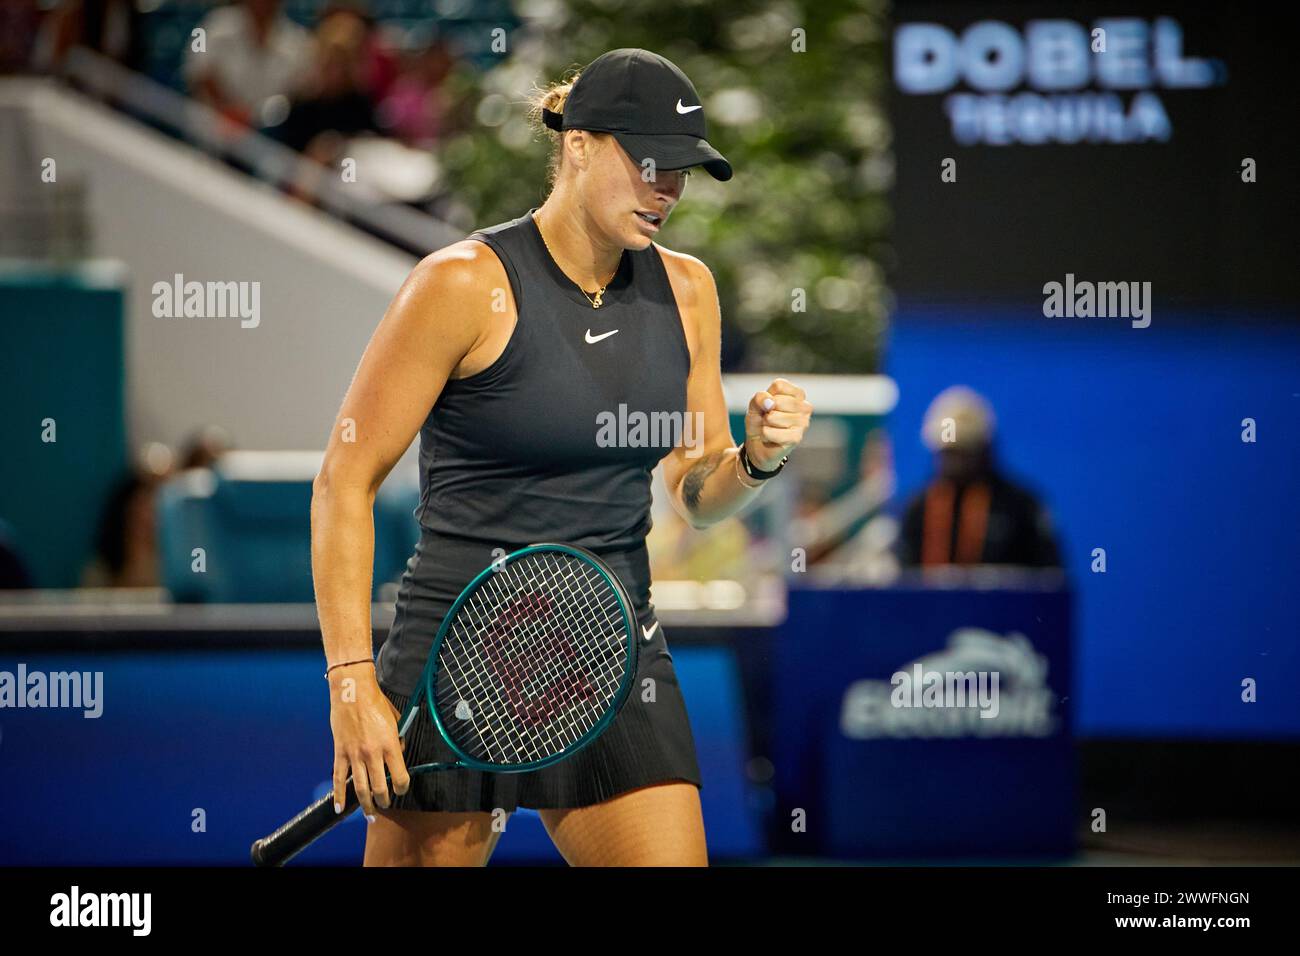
958 428
970 513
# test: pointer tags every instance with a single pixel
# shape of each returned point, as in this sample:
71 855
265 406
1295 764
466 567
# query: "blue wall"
244 736
1133 437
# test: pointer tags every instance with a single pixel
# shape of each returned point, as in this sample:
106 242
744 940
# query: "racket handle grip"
303 830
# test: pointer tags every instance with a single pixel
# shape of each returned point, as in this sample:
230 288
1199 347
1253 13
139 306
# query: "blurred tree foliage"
794 99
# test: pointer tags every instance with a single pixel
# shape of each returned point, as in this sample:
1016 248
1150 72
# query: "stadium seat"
251 518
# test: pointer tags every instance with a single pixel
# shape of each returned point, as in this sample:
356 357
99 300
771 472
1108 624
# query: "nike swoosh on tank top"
520 452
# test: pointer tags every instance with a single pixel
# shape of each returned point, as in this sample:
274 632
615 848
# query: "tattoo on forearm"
694 481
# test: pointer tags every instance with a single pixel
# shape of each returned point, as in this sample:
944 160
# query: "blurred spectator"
204 447
678 552
847 529
20 23
254 59
126 547
380 62
106 26
333 97
13 572
416 107
970 513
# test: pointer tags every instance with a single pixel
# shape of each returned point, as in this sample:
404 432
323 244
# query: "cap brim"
675 151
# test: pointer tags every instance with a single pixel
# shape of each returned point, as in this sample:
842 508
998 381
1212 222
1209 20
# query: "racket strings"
533 659
561 674
539 657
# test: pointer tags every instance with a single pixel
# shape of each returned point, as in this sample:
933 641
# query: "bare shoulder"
455 293
692 282
697 299
464 268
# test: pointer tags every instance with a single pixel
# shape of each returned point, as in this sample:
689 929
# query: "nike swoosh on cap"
688 109
603 335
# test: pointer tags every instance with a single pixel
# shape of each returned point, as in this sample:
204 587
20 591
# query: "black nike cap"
648 105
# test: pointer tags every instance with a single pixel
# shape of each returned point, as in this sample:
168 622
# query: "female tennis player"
506 352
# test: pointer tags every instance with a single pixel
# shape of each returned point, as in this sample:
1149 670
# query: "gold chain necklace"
594 300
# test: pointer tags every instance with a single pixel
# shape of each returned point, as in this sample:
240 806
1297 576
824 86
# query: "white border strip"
831 394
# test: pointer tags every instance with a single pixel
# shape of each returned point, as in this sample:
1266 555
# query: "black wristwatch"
753 472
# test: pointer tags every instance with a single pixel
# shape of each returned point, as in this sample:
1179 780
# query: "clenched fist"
775 423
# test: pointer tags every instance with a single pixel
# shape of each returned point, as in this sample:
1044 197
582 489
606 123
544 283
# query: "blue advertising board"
925 723
183 756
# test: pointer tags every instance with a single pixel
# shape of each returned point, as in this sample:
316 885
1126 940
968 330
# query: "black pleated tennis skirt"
648 742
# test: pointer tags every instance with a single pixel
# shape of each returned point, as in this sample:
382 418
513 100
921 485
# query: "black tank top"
528 449
554 441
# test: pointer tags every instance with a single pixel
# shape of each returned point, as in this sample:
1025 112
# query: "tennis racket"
532 662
